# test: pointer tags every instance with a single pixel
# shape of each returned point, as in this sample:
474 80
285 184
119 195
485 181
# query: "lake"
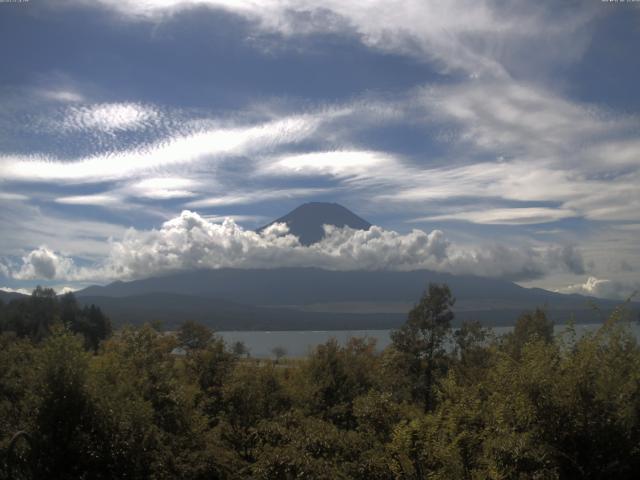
298 343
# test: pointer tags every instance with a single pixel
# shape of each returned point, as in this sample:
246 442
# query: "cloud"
569 256
175 151
62 95
43 263
602 288
337 163
625 266
12 196
23 291
477 37
255 196
509 141
515 263
97 199
109 117
505 216
190 241
60 290
25 226
514 116
4 270
65 289
253 219
389 177
166 187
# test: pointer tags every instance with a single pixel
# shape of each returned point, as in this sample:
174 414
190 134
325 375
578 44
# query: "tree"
531 326
194 335
239 348
421 339
35 316
210 368
334 376
250 395
62 406
18 377
94 325
150 424
472 349
279 352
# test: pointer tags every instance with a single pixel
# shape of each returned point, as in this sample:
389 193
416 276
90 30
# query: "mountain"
173 309
317 299
312 298
306 221
6 297
303 286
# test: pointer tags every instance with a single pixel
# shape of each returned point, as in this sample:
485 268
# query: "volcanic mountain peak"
307 220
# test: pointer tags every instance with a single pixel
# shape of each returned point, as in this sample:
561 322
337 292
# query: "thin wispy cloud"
98 199
207 145
479 119
110 117
62 95
164 187
447 33
504 216
252 197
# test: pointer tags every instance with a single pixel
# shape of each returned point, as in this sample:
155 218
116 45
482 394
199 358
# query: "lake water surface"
298 343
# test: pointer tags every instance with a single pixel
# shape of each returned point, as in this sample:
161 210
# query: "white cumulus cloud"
602 288
43 263
190 241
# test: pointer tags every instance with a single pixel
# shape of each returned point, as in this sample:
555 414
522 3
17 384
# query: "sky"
140 137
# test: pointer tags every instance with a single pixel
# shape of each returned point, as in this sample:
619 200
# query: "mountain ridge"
313 293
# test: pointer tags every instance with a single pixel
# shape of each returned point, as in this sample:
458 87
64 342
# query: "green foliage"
209 368
34 317
299 446
530 327
335 376
422 338
147 412
62 407
194 335
17 398
251 394
436 404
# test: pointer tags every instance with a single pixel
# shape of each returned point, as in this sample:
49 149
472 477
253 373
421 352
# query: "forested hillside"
439 403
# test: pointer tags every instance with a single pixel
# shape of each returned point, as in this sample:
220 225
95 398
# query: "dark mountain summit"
307 220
